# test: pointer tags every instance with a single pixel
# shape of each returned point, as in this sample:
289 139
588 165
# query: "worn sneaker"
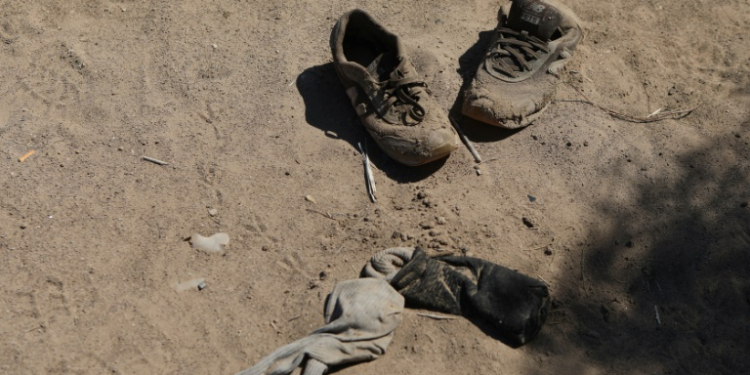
518 77
393 103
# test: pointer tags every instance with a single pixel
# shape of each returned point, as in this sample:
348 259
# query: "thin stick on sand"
657 115
466 140
368 173
436 317
155 161
26 155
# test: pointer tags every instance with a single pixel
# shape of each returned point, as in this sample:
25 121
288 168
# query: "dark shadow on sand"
681 259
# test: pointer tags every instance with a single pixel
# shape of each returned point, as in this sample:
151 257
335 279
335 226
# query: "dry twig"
326 215
466 140
155 161
368 173
436 317
657 115
26 155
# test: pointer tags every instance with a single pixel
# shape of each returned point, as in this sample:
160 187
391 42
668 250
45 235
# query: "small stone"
425 225
202 285
23 226
434 233
479 172
527 222
264 248
213 212
547 251
440 220
323 275
214 46
421 195
310 199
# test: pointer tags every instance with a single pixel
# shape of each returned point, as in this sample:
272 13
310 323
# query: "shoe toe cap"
421 149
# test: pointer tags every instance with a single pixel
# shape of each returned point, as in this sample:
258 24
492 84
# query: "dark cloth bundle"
513 304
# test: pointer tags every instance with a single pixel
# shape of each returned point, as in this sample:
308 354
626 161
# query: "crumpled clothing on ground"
514 304
360 317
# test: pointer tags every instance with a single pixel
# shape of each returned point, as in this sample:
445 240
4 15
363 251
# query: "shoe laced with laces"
517 78
393 103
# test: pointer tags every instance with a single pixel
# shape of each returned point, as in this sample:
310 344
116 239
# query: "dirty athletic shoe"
518 76
393 103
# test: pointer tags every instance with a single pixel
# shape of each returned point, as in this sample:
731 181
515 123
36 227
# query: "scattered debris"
213 212
466 140
26 155
155 161
213 244
368 173
310 199
191 284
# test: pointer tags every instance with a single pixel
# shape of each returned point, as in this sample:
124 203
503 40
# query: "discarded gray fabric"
360 317
515 305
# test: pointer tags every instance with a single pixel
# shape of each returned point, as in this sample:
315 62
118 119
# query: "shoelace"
518 45
407 90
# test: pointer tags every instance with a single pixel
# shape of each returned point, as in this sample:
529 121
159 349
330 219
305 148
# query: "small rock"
479 172
421 195
310 199
531 198
527 222
440 220
425 225
214 46
547 251
23 226
323 275
213 212
434 233
202 285
264 248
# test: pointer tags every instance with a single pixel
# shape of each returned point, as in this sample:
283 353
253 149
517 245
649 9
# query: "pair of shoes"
513 85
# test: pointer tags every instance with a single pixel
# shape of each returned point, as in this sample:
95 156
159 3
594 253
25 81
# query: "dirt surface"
641 230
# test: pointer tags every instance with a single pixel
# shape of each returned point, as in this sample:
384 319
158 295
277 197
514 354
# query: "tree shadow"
664 288
328 109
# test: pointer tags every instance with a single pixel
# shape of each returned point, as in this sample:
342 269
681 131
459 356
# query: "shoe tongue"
535 17
382 66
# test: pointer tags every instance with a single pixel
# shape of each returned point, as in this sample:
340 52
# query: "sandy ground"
642 230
